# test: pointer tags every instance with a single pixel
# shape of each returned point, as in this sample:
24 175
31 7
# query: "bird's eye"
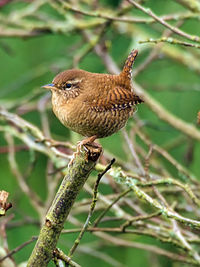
68 85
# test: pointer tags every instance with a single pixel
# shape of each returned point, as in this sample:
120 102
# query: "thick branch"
74 180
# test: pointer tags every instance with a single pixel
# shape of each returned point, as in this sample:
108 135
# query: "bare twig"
97 221
92 207
15 250
60 255
164 23
34 198
169 40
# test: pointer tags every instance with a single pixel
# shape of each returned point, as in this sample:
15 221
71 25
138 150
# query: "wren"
92 104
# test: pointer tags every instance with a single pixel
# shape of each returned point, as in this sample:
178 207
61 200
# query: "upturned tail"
127 69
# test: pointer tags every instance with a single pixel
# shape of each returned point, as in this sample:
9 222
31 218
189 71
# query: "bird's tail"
127 69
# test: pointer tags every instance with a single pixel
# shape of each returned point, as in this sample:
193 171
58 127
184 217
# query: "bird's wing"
119 98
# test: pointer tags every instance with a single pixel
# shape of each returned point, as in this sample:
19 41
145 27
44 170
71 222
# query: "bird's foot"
88 142
84 145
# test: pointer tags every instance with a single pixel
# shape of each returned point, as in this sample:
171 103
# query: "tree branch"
74 180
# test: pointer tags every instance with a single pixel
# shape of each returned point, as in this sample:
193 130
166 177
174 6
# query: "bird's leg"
85 142
88 141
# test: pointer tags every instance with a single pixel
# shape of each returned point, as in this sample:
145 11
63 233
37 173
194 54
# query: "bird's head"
68 83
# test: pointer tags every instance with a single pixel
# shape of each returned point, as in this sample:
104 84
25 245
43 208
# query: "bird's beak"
48 86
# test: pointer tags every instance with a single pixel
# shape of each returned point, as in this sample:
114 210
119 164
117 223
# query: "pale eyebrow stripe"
74 81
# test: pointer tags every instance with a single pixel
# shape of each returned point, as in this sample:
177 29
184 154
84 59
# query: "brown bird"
92 104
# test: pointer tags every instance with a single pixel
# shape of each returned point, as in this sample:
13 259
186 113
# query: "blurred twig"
164 23
169 40
92 207
15 250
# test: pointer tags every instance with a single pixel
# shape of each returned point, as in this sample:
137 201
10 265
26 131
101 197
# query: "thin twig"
92 207
134 154
164 23
97 221
169 40
100 15
59 254
34 198
139 218
15 250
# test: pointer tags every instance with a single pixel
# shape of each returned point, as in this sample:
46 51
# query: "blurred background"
40 38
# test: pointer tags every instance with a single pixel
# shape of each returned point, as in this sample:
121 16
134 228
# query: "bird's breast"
87 120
